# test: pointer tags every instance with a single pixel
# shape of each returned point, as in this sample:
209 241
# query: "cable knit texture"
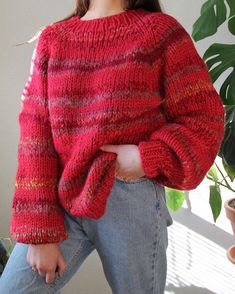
129 78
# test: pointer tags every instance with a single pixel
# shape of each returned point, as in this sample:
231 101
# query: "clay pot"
229 206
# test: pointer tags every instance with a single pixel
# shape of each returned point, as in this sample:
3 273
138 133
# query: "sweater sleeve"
36 214
180 153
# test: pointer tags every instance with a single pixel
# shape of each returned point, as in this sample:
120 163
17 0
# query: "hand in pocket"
128 163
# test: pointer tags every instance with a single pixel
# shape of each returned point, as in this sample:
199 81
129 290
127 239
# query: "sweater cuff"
39 229
151 158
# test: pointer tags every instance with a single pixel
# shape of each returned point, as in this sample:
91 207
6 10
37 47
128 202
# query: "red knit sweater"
130 78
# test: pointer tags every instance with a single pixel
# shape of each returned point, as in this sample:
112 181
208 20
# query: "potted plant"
219 58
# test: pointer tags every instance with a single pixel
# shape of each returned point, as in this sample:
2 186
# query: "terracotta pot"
231 253
230 213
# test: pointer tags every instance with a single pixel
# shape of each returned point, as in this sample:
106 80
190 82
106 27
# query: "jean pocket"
160 192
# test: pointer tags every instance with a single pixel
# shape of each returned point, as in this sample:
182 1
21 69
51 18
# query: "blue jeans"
131 239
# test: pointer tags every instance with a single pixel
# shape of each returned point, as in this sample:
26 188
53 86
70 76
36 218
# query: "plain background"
18 22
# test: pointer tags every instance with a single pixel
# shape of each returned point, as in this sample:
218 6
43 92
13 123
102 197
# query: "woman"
118 105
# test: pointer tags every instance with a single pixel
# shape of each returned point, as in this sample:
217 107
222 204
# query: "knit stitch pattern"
131 78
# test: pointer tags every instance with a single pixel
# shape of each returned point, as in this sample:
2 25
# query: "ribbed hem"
41 230
122 19
150 156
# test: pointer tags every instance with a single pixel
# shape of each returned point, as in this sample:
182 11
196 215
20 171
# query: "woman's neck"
104 8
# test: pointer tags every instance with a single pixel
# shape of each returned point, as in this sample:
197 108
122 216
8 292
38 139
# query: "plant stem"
223 177
219 183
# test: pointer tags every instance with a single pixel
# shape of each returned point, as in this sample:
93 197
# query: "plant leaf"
231 22
174 198
1 269
209 21
213 172
230 172
225 55
215 201
228 146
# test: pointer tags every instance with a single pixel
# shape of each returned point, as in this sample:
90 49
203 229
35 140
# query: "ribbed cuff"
150 154
39 230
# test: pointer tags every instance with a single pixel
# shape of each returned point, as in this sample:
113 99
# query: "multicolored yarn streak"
130 78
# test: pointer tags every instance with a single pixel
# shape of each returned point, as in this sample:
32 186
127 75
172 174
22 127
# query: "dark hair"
82 6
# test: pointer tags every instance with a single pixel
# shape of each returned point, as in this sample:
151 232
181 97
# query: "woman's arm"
180 153
36 216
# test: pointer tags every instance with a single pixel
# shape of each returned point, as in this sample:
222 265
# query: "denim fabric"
131 239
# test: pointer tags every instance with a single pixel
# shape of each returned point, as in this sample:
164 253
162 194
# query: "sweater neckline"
124 18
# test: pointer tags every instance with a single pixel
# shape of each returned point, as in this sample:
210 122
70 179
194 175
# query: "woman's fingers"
46 259
50 276
61 265
41 272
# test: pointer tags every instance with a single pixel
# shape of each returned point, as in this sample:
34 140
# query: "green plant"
5 252
219 58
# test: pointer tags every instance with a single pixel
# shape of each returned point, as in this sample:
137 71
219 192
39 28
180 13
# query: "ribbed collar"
124 18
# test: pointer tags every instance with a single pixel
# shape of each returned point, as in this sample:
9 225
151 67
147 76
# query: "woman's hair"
82 6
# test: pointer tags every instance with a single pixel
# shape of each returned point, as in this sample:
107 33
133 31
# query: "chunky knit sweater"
129 78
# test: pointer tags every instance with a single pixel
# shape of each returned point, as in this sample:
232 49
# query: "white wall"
20 20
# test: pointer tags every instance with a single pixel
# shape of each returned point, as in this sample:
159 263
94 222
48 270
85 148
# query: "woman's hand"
44 258
128 164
